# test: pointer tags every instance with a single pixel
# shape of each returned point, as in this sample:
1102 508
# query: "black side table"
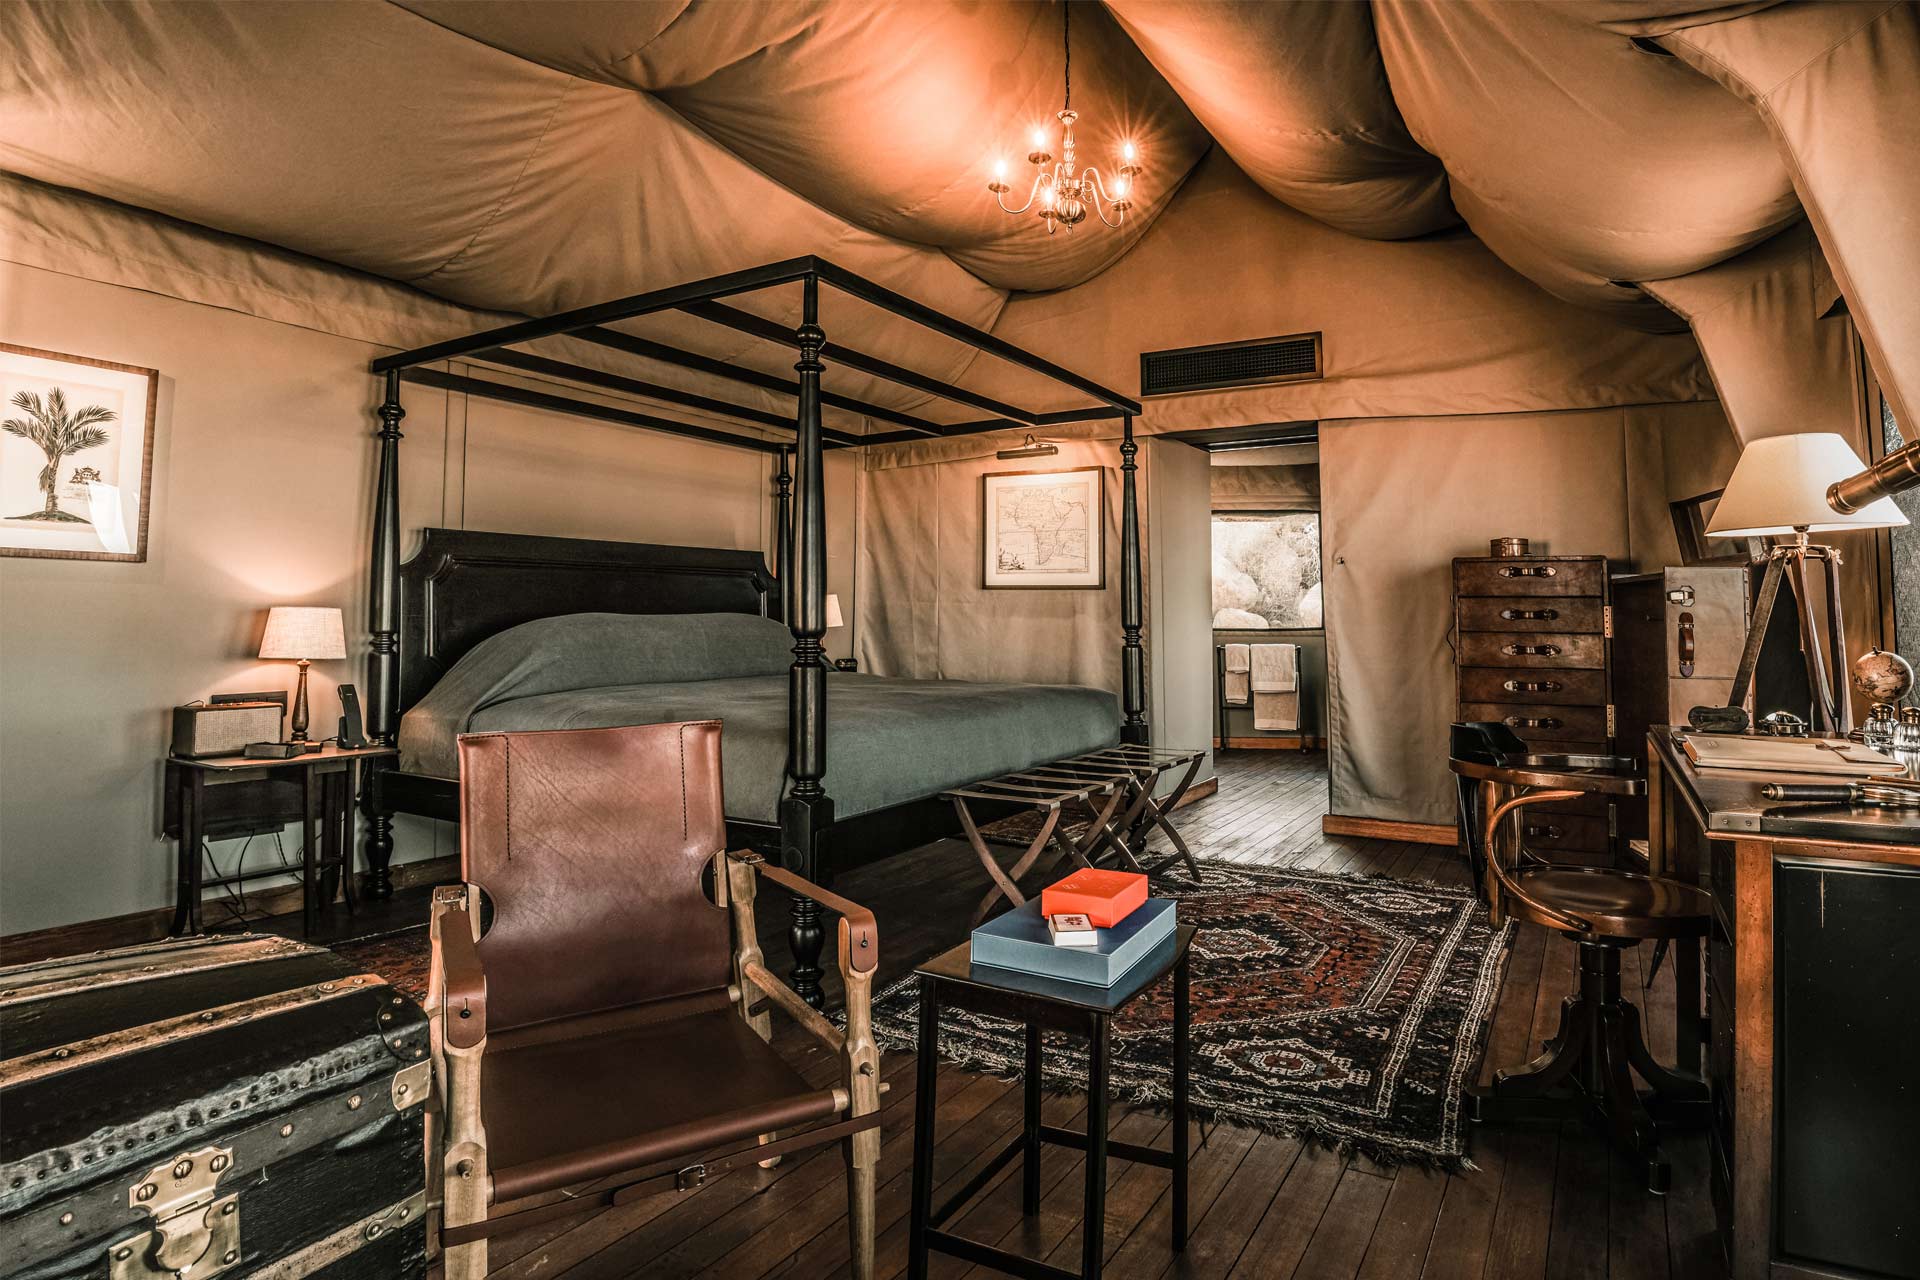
207 792
951 981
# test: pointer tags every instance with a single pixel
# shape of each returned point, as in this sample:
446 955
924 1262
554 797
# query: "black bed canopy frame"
806 814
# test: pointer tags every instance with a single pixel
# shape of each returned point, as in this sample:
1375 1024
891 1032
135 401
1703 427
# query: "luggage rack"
1097 786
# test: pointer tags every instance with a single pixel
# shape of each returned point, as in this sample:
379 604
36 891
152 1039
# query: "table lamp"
834 616
303 634
1779 487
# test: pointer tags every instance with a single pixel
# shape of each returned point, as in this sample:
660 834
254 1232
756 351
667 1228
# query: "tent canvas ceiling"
529 158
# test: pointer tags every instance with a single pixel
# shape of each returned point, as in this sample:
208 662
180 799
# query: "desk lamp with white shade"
303 634
1780 488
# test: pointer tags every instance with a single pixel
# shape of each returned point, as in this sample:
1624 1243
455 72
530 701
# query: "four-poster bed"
464 587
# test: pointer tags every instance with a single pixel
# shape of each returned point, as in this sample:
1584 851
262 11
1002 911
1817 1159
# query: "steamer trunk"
235 1106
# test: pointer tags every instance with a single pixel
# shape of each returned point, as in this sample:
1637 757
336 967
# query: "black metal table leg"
1093 1227
309 852
349 830
1030 1133
182 916
193 830
1180 1080
330 785
926 1072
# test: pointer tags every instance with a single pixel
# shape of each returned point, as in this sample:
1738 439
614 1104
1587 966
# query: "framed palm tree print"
76 449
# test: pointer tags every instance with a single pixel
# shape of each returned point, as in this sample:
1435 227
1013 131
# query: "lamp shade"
297 632
1780 485
834 618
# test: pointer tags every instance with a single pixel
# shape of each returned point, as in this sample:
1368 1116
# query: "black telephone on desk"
353 733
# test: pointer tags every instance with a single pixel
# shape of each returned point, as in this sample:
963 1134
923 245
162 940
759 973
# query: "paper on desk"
1834 757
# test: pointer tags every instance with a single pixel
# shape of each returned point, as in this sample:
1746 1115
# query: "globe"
1882 677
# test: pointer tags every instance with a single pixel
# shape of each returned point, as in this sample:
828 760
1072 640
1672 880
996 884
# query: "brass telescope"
1895 473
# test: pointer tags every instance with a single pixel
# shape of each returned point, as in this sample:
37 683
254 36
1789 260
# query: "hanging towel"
1239 690
1275 680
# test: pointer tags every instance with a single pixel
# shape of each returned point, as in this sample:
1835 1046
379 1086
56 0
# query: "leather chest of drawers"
1532 651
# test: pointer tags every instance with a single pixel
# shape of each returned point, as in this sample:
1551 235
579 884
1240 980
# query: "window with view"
1266 571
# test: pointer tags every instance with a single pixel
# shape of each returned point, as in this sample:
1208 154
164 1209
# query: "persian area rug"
1346 1011
400 957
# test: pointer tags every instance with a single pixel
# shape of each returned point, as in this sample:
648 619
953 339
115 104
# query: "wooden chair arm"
1562 919
463 1000
859 935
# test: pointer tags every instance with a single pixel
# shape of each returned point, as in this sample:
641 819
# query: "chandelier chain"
1066 44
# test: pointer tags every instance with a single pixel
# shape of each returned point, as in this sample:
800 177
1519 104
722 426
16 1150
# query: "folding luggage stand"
1098 784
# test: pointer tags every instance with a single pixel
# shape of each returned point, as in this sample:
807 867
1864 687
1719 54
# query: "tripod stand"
1832 711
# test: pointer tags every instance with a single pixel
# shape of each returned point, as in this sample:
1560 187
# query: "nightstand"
230 794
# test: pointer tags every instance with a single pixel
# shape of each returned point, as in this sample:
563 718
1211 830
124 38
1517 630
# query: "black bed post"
383 622
807 811
783 532
1133 664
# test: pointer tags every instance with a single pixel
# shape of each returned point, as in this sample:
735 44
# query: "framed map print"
76 446
1045 529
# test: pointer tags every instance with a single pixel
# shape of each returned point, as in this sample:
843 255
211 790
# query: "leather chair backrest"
591 844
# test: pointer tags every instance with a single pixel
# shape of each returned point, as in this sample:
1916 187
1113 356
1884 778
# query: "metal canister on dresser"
1532 649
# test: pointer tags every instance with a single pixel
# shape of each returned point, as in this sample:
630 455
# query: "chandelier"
1063 195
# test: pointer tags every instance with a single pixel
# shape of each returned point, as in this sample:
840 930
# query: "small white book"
1071 929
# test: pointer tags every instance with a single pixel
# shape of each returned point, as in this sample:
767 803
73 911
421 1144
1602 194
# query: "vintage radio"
225 728
234 1106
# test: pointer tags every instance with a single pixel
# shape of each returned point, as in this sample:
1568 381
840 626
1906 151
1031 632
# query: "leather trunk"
234 1106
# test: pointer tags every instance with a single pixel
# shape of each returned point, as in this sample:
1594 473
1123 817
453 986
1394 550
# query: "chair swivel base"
1587 1073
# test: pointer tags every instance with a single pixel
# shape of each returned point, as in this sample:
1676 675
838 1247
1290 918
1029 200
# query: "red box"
1104 897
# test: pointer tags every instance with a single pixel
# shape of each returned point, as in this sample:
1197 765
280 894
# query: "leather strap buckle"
691 1178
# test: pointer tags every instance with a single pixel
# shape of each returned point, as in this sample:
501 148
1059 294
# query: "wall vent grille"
1294 358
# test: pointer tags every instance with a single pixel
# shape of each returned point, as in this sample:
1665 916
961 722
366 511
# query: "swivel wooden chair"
596 1031
1588 1066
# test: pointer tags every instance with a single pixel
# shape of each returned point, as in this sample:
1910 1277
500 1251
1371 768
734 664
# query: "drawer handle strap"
1531 650
1543 833
1533 722
1529 615
1532 686
1527 571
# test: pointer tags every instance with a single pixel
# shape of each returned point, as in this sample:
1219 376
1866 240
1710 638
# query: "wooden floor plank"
1398 1248
1293 1215
1346 1227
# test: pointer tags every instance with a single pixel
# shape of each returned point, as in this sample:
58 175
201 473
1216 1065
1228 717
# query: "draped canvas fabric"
1401 499
922 609
1576 157
1436 325
1836 85
1297 95
1778 363
1282 487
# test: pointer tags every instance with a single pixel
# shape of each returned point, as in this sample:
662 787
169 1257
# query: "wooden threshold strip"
1335 824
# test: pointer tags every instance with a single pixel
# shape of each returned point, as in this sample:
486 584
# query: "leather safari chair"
604 1033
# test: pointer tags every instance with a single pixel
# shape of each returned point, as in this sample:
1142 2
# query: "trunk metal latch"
196 1231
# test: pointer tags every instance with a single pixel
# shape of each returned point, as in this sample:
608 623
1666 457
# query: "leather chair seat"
1617 904
561 1109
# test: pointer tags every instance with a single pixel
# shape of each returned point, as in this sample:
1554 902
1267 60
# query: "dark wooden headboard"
463 586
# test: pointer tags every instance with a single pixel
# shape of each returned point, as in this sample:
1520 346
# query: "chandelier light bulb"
1064 192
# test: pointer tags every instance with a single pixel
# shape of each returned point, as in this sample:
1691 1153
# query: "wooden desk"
1812 1017
329 783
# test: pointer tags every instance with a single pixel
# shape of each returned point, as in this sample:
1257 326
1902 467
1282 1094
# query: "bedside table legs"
1030 1133
1093 1226
926 1083
1180 1080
